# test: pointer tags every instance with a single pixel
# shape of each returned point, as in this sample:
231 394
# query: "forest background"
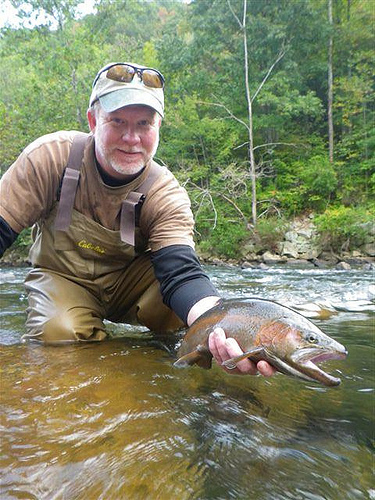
269 104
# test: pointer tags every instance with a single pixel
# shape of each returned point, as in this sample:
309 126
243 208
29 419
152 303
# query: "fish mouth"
305 360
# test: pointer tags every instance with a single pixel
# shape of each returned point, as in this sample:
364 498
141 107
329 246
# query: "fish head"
317 347
299 345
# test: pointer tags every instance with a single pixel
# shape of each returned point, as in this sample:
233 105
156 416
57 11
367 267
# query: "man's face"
126 139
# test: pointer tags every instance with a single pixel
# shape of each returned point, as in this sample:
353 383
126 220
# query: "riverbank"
300 247
18 257
268 259
325 260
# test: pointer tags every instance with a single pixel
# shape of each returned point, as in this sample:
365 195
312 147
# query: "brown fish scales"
266 331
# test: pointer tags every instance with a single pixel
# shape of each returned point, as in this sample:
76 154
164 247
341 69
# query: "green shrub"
270 232
306 185
319 178
24 239
343 228
225 240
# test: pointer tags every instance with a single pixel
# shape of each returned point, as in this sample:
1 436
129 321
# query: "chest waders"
85 273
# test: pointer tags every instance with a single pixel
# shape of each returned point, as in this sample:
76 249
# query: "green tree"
47 70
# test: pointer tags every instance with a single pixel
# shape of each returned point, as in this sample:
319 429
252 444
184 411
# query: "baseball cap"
124 84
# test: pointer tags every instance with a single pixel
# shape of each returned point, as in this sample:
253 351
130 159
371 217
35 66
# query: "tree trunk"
250 128
330 82
249 99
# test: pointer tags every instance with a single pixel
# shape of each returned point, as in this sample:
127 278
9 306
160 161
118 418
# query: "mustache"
131 151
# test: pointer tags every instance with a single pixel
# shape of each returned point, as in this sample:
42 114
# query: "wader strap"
70 183
127 220
134 200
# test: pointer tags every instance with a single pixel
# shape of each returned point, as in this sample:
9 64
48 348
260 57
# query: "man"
113 234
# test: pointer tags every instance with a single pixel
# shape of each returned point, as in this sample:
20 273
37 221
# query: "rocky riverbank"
301 246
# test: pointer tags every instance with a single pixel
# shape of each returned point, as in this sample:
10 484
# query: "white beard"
122 167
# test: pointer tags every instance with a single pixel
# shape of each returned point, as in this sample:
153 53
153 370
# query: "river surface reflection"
118 421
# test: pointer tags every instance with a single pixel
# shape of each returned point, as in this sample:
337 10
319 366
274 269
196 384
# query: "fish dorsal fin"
231 363
200 356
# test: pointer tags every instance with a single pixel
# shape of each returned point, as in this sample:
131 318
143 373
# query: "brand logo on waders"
91 246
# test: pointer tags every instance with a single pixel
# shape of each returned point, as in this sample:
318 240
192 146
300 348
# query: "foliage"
270 232
24 239
47 70
317 183
344 228
226 239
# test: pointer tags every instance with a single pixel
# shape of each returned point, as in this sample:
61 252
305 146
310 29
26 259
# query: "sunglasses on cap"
124 72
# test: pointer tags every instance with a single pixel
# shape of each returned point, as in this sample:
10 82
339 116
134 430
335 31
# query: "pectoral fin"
200 356
231 363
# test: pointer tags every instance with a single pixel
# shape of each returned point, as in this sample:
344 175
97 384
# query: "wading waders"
84 272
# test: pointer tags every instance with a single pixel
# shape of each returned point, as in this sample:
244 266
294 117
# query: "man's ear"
91 118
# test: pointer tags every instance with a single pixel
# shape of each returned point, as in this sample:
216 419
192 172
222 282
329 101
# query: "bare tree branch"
269 208
219 105
271 144
235 15
270 69
279 144
205 193
249 101
241 145
233 204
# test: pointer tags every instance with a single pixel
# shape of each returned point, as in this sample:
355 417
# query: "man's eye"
117 121
144 123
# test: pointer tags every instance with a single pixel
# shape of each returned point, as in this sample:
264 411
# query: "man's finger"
233 350
266 369
216 344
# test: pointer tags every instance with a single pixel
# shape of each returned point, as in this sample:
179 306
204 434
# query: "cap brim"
130 97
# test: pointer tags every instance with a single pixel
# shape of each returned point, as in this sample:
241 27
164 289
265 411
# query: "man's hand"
223 348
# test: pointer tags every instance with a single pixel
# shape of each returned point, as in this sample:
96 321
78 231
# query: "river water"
117 421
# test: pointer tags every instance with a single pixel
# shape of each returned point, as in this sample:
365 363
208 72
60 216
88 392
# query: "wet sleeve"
7 236
182 279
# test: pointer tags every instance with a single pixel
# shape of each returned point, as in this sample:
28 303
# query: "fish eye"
312 338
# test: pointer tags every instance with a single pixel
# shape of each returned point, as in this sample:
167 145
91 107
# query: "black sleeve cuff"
182 279
189 294
7 236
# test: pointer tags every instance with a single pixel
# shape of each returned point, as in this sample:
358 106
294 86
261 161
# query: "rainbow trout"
266 331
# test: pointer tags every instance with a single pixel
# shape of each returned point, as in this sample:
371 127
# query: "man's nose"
130 136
